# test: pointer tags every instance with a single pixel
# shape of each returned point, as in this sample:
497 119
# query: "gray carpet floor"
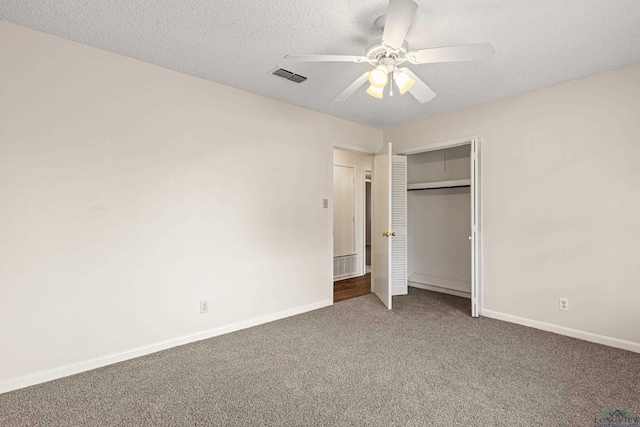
426 363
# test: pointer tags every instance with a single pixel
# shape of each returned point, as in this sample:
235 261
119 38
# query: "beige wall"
561 201
131 192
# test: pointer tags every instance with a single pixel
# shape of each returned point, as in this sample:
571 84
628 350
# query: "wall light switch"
325 203
204 307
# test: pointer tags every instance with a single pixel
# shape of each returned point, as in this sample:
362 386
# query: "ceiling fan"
393 51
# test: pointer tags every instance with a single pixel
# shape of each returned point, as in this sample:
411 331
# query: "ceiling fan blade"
467 52
325 58
420 90
352 87
399 17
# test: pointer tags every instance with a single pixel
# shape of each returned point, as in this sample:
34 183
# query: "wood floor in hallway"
351 288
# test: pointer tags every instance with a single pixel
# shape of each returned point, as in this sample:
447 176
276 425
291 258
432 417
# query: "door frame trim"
438 145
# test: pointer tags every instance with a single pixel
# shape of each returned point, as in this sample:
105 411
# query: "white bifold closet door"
389 225
399 283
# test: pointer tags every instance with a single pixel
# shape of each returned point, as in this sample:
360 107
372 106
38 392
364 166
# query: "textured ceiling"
238 42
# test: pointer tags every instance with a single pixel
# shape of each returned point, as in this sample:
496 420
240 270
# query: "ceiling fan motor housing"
379 54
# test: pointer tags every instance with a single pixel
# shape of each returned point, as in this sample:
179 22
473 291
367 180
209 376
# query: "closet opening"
443 219
438 214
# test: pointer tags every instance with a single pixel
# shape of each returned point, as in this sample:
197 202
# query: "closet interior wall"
439 221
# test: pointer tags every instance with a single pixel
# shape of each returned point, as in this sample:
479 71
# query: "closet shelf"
439 184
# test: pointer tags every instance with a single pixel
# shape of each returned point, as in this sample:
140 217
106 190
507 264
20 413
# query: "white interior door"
381 225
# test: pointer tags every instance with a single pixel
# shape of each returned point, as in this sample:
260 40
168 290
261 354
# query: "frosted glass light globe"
378 77
376 92
403 81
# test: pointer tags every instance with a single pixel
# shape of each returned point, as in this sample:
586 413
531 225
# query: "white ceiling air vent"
286 74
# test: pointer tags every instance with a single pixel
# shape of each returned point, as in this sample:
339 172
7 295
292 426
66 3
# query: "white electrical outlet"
204 307
564 304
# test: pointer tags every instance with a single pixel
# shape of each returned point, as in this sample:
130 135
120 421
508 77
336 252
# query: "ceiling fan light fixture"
378 77
376 92
393 50
403 81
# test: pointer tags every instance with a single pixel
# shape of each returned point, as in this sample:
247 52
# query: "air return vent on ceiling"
286 74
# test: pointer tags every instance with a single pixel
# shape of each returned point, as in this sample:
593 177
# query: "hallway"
351 288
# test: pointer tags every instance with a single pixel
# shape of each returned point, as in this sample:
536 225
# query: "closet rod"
438 188
439 184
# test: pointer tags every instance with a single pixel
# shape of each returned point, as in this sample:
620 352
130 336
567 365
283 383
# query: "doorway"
351 171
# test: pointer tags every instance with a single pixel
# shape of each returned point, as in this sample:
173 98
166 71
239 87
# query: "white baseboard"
440 289
441 282
562 330
87 365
